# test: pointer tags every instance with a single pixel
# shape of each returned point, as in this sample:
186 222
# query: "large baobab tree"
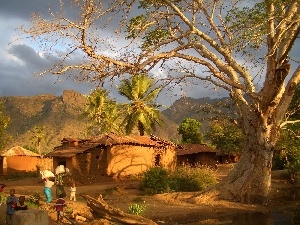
245 49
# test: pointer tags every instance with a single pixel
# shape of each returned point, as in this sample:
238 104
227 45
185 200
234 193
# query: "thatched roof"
111 139
19 151
187 149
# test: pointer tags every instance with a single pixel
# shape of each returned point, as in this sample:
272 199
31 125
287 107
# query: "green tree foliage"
225 136
288 152
4 121
190 130
142 111
102 112
288 146
38 137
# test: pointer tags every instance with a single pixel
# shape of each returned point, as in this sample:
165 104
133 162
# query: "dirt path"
171 208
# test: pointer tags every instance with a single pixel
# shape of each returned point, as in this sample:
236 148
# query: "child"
59 207
11 204
73 192
2 195
22 205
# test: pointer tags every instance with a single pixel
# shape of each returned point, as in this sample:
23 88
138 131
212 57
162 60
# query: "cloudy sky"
19 63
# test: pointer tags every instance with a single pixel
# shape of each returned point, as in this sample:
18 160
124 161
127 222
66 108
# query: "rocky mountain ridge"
62 117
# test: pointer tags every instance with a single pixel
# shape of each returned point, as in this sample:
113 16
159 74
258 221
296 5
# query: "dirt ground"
173 208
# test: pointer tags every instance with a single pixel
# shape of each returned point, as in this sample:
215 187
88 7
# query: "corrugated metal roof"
107 140
186 149
18 151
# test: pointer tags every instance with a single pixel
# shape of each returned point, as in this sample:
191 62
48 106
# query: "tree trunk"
100 209
250 180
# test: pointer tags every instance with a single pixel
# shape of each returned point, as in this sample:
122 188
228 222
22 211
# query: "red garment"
2 186
60 204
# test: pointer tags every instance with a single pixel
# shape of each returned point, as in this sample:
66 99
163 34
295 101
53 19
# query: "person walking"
46 175
60 173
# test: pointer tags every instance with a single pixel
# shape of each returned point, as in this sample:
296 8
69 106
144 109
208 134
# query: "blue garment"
10 200
48 194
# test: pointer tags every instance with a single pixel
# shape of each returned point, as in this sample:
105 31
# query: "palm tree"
38 137
142 111
102 112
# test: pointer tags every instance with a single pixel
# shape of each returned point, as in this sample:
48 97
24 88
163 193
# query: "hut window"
157 160
97 156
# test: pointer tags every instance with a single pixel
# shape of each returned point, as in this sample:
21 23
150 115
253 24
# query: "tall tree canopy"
190 131
225 136
103 113
38 137
244 47
142 111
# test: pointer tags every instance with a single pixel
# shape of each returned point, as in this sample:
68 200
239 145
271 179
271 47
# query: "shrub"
192 179
20 175
158 180
136 209
155 181
33 200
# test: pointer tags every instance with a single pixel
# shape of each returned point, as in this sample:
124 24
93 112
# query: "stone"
30 217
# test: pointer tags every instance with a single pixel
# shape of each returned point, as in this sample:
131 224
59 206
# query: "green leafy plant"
191 179
136 209
158 180
34 199
20 175
155 181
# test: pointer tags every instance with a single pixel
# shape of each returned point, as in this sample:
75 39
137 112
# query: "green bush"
33 200
20 175
158 180
191 179
136 209
155 181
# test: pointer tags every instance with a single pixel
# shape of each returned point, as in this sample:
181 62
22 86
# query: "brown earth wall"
126 160
21 164
89 167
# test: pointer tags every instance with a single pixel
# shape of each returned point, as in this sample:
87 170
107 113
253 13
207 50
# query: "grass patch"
20 175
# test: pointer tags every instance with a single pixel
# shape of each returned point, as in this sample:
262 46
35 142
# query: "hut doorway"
157 160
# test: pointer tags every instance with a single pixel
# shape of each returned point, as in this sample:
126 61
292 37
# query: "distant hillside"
61 115
201 109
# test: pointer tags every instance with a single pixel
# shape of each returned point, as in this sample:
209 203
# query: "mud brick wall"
127 160
89 167
20 164
45 164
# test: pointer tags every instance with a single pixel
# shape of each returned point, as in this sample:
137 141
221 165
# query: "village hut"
18 159
196 155
112 155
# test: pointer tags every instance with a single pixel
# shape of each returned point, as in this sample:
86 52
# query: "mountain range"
62 117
